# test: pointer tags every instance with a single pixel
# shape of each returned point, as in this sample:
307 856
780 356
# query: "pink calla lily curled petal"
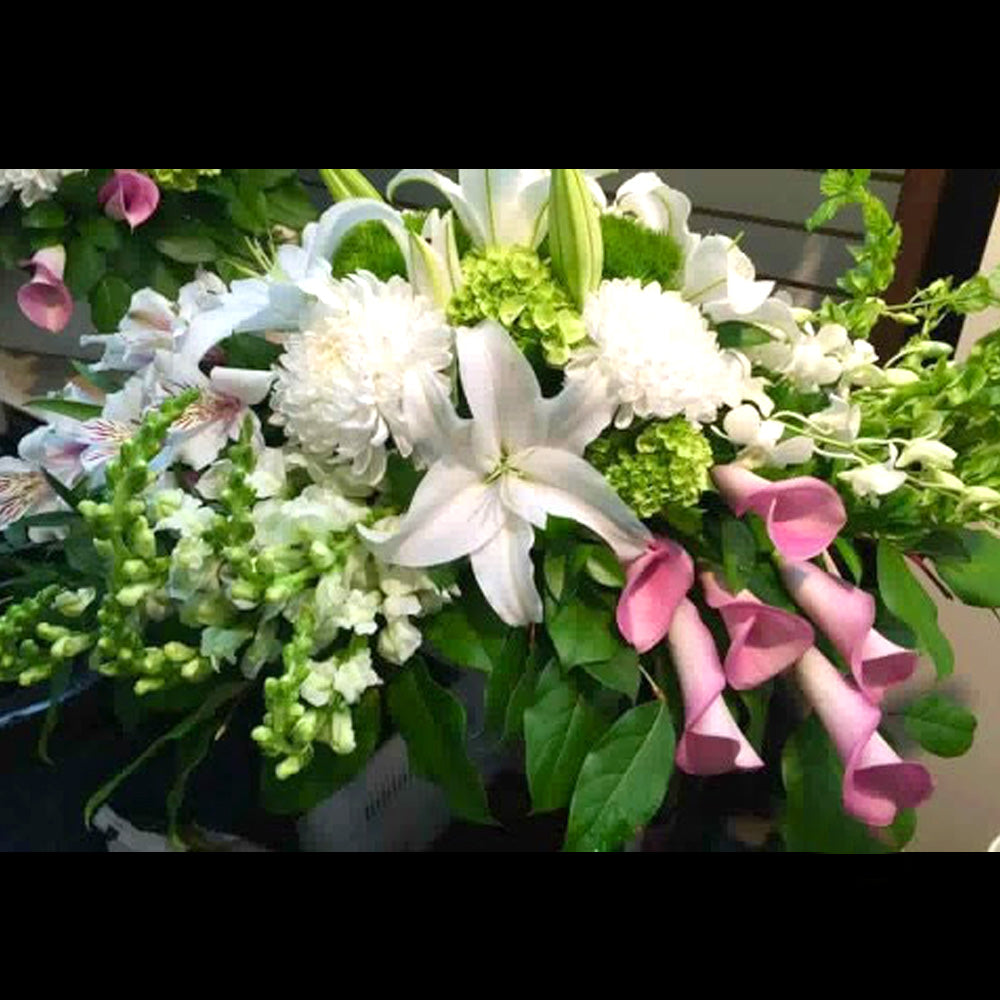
803 514
129 196
846 614
712 742
45 299
877 783
655 584
763 640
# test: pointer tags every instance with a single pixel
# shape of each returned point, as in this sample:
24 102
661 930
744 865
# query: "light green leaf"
581 631
190 249
739 553
940 726
738 334
467 633
109 301
66 407
974 580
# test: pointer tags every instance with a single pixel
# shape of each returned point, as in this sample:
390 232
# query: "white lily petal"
505 574
246 384
509 201
439 231
433 426
501 388
429 272
336 222
658 207
455 194
520 498
453 512
578 414
567 486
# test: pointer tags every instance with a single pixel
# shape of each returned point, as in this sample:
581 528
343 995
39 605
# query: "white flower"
267 479
31 185
24 490
398 640
981 497
340 381
840 419
493 478
762 439
658 207
339 733
313 514
930 454
178 511
717 270
194 568
656 353
349 675
876 480
151 324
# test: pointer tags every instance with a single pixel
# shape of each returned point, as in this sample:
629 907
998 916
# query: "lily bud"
575 234
344 184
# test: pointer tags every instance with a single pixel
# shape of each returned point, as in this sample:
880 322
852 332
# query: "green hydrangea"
664 464
631 250
181 180
515 287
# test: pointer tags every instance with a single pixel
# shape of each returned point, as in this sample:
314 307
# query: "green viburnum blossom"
663 464
181 180
515 287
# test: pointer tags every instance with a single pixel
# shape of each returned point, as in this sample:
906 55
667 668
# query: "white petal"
335 223
505 574
201 447
501 388
742 424
794 451
433 428
520 497
246 384
455 194
508 201
578 414
567 486
452 514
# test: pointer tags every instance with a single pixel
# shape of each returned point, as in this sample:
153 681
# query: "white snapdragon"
348 674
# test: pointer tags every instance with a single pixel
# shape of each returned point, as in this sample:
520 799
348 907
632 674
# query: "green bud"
71 645
144 685
321 556
575 234
261 734
288 767
177 652
130 596
350 183
135 569
73 603
304 731
193 669
50 632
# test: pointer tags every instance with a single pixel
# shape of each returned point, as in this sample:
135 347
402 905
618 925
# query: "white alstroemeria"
840 420
150 325
876 480
103 436
761 440
494 478
200 296
216 417
57 448
929 453
658 207
24 491
717 270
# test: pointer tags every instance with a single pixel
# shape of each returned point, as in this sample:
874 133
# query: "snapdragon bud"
178 652
73 603
129 596
71 645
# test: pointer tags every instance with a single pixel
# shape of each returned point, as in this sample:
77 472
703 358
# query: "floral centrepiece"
546 434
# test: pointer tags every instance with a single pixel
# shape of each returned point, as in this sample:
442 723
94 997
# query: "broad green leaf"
44 215
327 771
523 695
559 730
620 673
109 301
101 231
940 726
58 683
738 334
290 205
739 553
554 570
433 723
192 749
467 633
250 350
190 249
850 556
507 670
623 780
66 407
85 266
757 702
581 630
108 381
975 579
909 602
603 567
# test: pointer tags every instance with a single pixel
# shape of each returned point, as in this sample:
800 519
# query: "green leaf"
249 209
101 231
58 683
603 567
507 671
940 726
44 215
192 749
850 556
109 301
209 706
327 771
814 819
581 630
620 673
250 350
909 602
467 633
108 381
554 570
188 249
739 553
757 702
738 334
401 481
974 579
559 730
66 407
521 698
433 723
85 266
623 780
290 206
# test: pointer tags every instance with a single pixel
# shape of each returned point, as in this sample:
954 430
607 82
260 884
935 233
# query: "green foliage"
619 673
974 574
109 301
623 780
66 407
631 250
182 180
739 553
940 726
513 286
369 247
654 466
467 633
740 335
433 723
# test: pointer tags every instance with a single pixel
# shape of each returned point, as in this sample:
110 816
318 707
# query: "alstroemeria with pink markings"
45 299
877 783
712 743
24 490
803 514
763 640
129 196
846 614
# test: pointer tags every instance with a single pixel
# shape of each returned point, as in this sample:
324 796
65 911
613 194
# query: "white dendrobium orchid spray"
876 480
493 479
761 440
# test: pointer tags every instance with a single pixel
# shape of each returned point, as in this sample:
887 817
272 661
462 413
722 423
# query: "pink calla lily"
655 584
45 299
846 614
129 196
763 640
712 742
877 783
803 514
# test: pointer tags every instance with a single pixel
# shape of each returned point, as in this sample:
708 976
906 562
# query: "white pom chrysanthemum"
339 390
31 185
657 354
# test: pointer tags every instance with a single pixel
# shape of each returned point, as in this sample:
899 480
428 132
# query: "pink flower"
45 299
763 641
712 742
803 514
129 195
876 782
655 584
846 615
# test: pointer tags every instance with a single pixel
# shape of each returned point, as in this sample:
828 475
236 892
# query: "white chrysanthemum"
657 353
340 381
31 185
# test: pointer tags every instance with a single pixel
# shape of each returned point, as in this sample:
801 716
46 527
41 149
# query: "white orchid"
494 478
761 439
717 270
876 479
841 420
929 453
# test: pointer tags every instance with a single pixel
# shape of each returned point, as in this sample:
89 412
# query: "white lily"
658 207
717 270
494 478
761 439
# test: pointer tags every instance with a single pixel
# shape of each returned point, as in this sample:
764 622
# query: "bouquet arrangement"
101 235
565 442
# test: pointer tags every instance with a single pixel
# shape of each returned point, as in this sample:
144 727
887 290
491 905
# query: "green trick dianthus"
181 180
660 465
515 287
631 250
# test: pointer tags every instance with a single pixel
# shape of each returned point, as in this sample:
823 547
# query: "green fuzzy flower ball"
633 251
181 180
665 464
515 287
